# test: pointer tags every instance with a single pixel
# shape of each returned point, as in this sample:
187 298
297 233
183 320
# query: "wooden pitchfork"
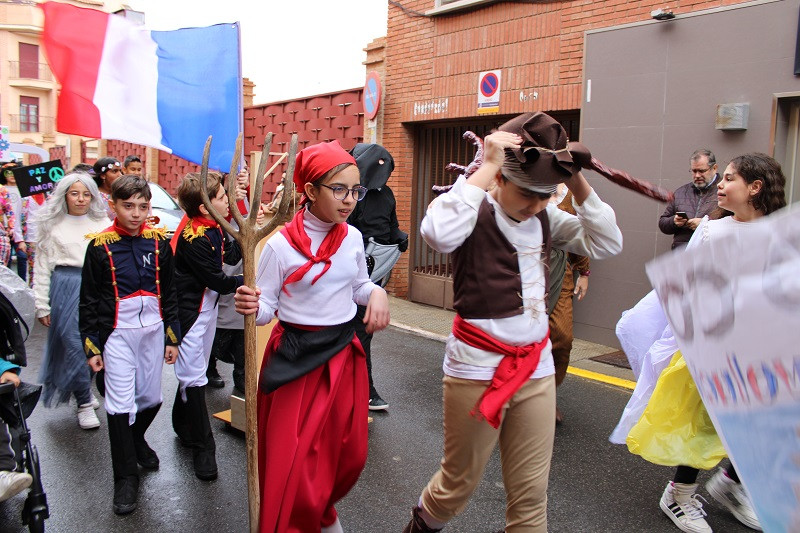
248 236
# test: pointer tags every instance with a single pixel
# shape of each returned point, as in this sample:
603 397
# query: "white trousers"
133 359
195 350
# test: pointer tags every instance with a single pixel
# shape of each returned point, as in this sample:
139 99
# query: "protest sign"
734 305
41 177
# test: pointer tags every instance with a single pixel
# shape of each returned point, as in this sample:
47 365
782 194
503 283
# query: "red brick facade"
315 119
433 63
121 149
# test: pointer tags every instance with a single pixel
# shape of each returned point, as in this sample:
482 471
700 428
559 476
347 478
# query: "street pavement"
594 485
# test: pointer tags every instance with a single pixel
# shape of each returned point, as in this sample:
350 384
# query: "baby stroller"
17 403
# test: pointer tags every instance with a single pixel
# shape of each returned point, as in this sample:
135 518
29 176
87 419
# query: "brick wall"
121 149
315 119
172 169
437 60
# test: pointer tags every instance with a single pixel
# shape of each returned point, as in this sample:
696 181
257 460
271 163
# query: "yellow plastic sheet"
675 428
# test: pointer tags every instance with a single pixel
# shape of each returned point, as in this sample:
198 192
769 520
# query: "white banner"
734 306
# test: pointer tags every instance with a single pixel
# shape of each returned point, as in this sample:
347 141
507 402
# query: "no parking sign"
489 92
372 95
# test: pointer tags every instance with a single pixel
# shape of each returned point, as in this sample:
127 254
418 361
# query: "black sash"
300 351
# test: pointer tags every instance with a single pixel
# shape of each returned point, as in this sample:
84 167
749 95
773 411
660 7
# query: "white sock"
428 519
336 527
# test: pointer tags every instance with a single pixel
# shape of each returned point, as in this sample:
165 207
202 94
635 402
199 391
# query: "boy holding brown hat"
499 380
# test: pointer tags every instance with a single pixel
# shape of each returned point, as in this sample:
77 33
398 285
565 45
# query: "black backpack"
12 338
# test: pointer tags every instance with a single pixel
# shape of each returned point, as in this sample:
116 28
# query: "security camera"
662 14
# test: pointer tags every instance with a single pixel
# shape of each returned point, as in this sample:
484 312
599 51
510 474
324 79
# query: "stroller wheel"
36 523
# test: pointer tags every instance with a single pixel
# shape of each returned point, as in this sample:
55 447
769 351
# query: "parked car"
165 207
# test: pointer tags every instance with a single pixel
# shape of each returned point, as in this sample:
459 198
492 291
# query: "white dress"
647 338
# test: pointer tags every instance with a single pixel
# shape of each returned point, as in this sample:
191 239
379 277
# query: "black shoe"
126 491
214 379
376 403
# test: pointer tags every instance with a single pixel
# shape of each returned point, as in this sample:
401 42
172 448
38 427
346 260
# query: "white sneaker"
680 503
87 419
734 498
95 402
12 483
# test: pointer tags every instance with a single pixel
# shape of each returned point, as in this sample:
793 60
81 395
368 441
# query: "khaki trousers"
526 446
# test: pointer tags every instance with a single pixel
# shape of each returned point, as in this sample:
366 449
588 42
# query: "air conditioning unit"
732 117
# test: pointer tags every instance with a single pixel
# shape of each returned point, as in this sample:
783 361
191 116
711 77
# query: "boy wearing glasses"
692 201
201 249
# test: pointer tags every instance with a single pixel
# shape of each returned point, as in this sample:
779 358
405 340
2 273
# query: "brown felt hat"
546 157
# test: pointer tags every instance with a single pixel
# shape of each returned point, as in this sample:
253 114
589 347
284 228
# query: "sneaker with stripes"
680 503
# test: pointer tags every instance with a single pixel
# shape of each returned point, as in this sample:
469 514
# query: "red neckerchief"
295 233
39 198
517 366
196 222
202 221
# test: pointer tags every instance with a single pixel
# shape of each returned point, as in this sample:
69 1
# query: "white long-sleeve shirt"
451 218
67 248
332 299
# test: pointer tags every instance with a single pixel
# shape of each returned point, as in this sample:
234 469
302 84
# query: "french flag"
165 89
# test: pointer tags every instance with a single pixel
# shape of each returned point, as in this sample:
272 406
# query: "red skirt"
312 441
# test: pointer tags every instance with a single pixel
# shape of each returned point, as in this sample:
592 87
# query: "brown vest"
486 278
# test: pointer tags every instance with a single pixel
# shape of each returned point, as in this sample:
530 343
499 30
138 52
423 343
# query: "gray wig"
55 209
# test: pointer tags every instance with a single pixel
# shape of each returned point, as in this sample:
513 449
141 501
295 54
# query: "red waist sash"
515 369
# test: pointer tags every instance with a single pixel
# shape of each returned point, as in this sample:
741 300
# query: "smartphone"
682 214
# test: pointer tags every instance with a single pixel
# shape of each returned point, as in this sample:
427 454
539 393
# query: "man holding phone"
692 201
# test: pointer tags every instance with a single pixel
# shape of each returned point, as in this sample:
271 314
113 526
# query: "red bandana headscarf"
311 164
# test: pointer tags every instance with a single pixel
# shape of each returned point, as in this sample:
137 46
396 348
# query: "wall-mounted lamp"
662 14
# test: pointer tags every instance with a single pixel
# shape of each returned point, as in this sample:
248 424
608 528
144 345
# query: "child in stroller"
17 401
11 481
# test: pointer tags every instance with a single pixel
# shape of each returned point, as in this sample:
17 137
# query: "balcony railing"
26 123
29 70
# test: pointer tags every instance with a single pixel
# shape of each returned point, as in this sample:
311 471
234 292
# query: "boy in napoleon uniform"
129 326
200 250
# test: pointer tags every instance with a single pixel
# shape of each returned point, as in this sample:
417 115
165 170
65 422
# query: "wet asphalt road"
594 485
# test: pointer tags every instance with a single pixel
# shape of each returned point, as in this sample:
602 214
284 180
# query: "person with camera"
692 201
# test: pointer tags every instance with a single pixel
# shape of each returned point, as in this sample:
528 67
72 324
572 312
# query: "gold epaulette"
103 237
158 234
191 234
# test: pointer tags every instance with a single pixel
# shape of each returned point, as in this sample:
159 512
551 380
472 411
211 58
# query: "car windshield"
161 199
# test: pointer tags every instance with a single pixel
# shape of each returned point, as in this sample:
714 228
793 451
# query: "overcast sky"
290 48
